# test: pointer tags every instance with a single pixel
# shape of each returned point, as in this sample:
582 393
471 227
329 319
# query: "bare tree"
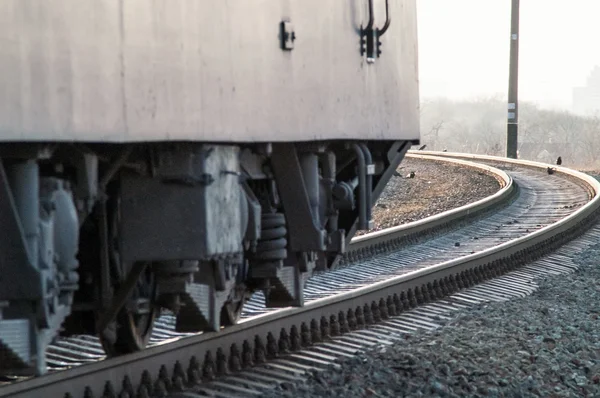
589 141
480 126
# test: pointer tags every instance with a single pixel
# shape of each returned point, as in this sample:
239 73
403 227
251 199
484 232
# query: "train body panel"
205 70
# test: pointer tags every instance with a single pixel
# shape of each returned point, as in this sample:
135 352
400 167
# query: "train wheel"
132 328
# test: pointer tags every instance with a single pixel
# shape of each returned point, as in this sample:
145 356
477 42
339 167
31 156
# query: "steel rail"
126 372
588 180
435 222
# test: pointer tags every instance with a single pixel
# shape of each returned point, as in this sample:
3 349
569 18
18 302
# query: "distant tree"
479 126
589 142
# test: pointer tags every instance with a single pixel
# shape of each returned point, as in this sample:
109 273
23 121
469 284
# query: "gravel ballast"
543 345
435 187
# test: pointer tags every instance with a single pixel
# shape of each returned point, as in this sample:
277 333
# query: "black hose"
369 188
362 187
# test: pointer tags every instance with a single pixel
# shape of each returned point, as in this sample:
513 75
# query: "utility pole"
513 84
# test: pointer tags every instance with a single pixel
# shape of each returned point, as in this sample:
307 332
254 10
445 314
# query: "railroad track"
384 274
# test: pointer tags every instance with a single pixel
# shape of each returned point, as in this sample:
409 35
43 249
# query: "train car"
182 154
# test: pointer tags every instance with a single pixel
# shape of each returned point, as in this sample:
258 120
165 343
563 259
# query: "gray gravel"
547 345
436 187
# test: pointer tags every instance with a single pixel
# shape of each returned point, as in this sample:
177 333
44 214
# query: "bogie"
194 229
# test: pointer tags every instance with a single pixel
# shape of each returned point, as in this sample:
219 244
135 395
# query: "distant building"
586 99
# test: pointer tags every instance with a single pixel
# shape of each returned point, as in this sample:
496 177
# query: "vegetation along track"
383 274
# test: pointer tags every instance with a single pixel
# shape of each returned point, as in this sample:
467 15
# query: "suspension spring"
272 243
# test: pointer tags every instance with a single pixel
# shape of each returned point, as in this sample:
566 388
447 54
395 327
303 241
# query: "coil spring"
272 243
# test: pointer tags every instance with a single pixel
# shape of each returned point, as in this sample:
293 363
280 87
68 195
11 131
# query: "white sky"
464 48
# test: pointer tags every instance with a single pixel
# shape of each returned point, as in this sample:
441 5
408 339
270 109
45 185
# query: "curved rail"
204 354
436 221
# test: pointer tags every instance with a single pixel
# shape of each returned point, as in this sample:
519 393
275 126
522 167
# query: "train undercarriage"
100 238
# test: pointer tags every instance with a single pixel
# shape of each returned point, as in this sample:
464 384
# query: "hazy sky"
464 47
